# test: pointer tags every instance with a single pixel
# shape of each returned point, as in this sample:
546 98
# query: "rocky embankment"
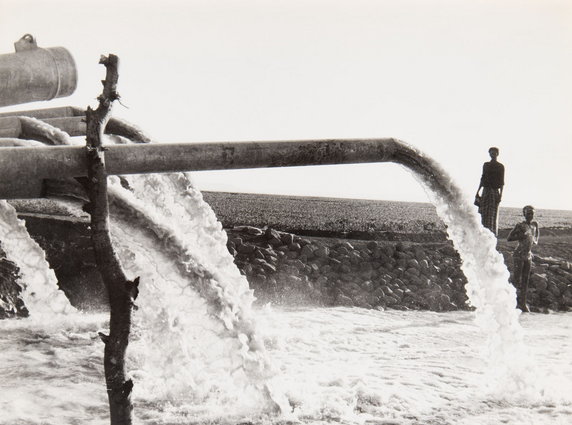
11 304
550 285
287 269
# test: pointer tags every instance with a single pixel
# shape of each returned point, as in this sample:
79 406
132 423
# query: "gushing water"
196 339
195 317
188 226
40 291
509 368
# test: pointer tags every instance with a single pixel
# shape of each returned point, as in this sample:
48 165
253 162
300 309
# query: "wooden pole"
122 292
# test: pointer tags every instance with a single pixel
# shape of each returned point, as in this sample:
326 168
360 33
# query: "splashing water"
40 291
508 370
346 366
509 366
195 318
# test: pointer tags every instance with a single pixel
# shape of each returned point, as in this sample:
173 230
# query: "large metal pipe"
11 127
23 169
69 119
33 73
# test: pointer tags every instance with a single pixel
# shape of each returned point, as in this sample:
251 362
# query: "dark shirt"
493 175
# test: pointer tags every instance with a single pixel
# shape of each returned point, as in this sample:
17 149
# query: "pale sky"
449 77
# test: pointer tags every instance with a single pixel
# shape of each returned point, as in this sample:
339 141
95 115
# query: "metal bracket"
27 42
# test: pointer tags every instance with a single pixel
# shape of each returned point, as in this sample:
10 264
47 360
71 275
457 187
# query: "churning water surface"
334 365
201 354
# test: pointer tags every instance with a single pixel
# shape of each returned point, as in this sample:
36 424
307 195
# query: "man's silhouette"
492 183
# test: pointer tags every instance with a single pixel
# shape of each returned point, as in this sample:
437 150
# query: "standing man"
492 183
526 233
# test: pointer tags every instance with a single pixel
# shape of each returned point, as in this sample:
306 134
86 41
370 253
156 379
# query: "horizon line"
354 198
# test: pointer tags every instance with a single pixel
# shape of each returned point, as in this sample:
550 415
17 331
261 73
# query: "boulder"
347 245
246 248
268 268
308 251
11 305
398 293
412 272
292 254
272 234
449 251
361 301
275 241
287 238
389 250
299 264
413 263
344 301
377 254
367 274
322 251
355 257
314 270
258 254
367 285
250 230
419 253
294 247
344 268
372 245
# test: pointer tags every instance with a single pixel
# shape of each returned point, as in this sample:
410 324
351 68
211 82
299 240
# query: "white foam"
40 291
509 370
195 309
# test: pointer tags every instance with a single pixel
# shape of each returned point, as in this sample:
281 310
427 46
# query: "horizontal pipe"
23 169
69 119
11 127
55 112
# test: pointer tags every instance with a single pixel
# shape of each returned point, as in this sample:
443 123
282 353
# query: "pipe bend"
65 162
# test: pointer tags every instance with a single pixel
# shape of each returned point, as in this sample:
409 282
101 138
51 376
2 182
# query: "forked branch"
122 293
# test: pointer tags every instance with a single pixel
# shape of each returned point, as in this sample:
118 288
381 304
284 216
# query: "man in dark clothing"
526 233
492 183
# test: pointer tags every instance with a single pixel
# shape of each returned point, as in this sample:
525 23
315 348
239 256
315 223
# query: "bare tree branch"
122 293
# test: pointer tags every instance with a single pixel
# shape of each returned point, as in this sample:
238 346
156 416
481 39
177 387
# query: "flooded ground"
336 365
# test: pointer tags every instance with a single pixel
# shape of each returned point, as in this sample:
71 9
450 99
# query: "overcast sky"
449 77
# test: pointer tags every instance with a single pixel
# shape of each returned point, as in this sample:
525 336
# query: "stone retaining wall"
11 304
288 269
